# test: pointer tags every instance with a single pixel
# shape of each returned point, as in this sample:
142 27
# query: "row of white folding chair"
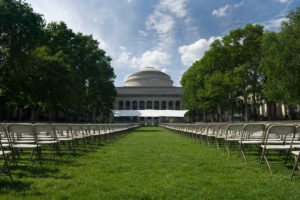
276 137
24 136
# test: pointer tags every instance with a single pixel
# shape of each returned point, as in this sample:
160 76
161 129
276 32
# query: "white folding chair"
280 132
4 152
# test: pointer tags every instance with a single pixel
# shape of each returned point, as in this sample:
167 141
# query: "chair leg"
262 157
268 164
6 167
287 156
296 164
242 152
227 148
39 155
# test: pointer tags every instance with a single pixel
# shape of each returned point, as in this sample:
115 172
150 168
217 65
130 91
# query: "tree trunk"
94 115
204 115
291 112
20 114
230 109
246 114
219 113
35 111
253 107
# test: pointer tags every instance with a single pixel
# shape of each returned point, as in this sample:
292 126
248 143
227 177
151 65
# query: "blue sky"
166 34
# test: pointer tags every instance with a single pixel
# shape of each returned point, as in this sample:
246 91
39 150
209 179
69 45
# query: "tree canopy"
49 68
247 66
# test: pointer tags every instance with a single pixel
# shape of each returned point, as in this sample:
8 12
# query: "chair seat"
25 146
45 138
296 146
78 137
64 139
275 142
5 153
294 142
5 145
276 147
25 142
47 142
233 139
250 142
297 153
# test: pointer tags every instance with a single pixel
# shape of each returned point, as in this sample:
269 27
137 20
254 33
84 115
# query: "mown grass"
151 163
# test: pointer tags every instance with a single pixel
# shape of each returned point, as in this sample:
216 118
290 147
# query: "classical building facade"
148 88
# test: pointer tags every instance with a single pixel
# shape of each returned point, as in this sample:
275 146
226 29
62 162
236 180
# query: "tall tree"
281 63
20 28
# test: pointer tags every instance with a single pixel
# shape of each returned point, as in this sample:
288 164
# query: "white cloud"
154 58
163 19
123 60
143 33
130 1
283 1
160 22
191 53
72 15
165 70
221 12
273 24
177 7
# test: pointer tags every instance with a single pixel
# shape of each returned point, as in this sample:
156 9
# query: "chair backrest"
297 133
63 130
222 129
234 130
204 128
86 129
45 130
3 134
254 130
235 127
20 131
280 131
212 128
77 129
94 129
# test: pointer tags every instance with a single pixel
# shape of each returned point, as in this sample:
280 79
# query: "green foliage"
229 69
281 63
51 68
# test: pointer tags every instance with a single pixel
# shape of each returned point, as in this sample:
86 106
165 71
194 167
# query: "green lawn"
151 163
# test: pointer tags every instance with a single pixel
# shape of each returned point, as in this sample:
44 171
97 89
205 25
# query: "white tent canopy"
149 113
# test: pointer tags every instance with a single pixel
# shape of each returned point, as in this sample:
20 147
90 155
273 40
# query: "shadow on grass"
146 131
17 186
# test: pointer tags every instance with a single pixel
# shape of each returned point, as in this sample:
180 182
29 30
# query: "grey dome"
149 77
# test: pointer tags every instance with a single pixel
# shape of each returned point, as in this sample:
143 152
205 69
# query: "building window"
149 104
163 105
156 105
134 105
142 105
177 105
121 105
170 105
127 105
